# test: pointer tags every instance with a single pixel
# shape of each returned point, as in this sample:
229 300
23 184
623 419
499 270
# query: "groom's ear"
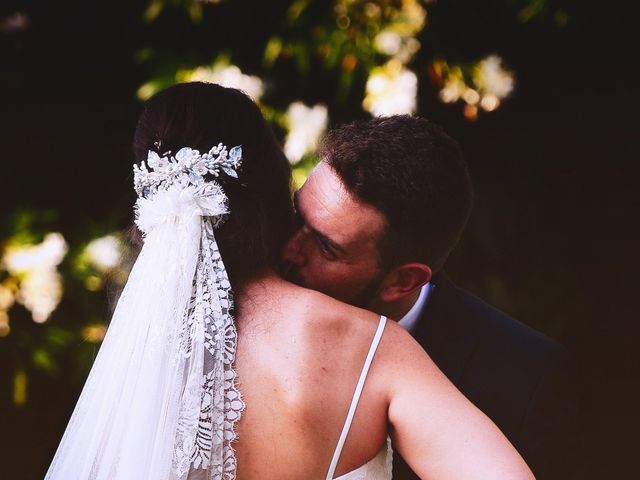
403 281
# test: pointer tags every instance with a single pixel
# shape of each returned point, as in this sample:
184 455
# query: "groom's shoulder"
498 324
493 331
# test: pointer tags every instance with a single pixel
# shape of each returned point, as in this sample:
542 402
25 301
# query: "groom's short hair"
414 173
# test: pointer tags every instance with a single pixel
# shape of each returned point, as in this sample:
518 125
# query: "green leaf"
59 337
153 11
272 51
43 360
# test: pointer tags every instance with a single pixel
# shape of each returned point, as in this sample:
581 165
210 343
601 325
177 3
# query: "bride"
214 367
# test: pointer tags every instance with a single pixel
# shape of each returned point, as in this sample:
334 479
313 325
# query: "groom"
407 172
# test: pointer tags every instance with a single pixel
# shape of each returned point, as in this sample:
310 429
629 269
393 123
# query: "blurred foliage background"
542 94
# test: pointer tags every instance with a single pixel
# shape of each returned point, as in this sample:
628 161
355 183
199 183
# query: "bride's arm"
439 433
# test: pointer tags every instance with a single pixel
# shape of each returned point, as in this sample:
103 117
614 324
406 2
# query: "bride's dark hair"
201 115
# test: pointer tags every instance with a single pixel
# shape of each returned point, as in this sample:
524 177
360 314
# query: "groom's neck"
395 310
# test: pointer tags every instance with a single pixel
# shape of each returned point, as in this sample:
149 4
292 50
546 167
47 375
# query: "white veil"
161 400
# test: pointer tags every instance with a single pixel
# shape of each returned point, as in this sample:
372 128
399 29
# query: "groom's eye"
325 249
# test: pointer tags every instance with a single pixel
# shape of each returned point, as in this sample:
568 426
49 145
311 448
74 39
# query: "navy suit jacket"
521 379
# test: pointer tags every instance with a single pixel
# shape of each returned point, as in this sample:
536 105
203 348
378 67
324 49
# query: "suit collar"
445 329
443 310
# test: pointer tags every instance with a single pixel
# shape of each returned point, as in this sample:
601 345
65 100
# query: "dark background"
552 240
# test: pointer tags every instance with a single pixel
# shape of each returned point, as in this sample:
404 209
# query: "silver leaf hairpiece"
187 167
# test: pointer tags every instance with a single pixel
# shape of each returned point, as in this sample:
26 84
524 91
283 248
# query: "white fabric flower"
179 203
186 156
156 162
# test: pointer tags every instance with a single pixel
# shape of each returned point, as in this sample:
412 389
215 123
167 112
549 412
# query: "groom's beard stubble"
363 299
366 296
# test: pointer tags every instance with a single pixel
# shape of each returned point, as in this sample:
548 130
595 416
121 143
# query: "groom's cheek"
312 274
329 278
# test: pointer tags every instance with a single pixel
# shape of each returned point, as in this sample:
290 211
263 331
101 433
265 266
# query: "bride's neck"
256 284
262 291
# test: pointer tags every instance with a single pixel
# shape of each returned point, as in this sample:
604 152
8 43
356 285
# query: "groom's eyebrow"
323 237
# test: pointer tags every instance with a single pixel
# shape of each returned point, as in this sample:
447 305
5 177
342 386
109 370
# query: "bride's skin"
298 360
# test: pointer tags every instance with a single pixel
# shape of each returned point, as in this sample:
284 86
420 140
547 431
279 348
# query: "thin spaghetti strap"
356 397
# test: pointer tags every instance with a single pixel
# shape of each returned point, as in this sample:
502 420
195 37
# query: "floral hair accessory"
186 168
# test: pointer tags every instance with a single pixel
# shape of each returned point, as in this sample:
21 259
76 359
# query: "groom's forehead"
327 205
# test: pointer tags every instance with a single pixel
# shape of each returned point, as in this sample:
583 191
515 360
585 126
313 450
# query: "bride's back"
299 357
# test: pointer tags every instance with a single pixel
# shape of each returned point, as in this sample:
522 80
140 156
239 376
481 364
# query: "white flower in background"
398 40
104 252
23 259
388 42
40 293
489 102
391 90
400 47
492 79
412 16
40 288
229 76
471 96
453 88
306 126
483 86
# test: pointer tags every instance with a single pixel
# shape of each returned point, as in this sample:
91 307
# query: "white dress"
380 466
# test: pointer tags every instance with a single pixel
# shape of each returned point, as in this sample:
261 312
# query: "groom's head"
380 213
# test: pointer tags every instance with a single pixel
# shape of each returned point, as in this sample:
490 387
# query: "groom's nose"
294 250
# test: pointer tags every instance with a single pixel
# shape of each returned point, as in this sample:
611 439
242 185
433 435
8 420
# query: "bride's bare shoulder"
324 313
275 308
296 305
321 315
